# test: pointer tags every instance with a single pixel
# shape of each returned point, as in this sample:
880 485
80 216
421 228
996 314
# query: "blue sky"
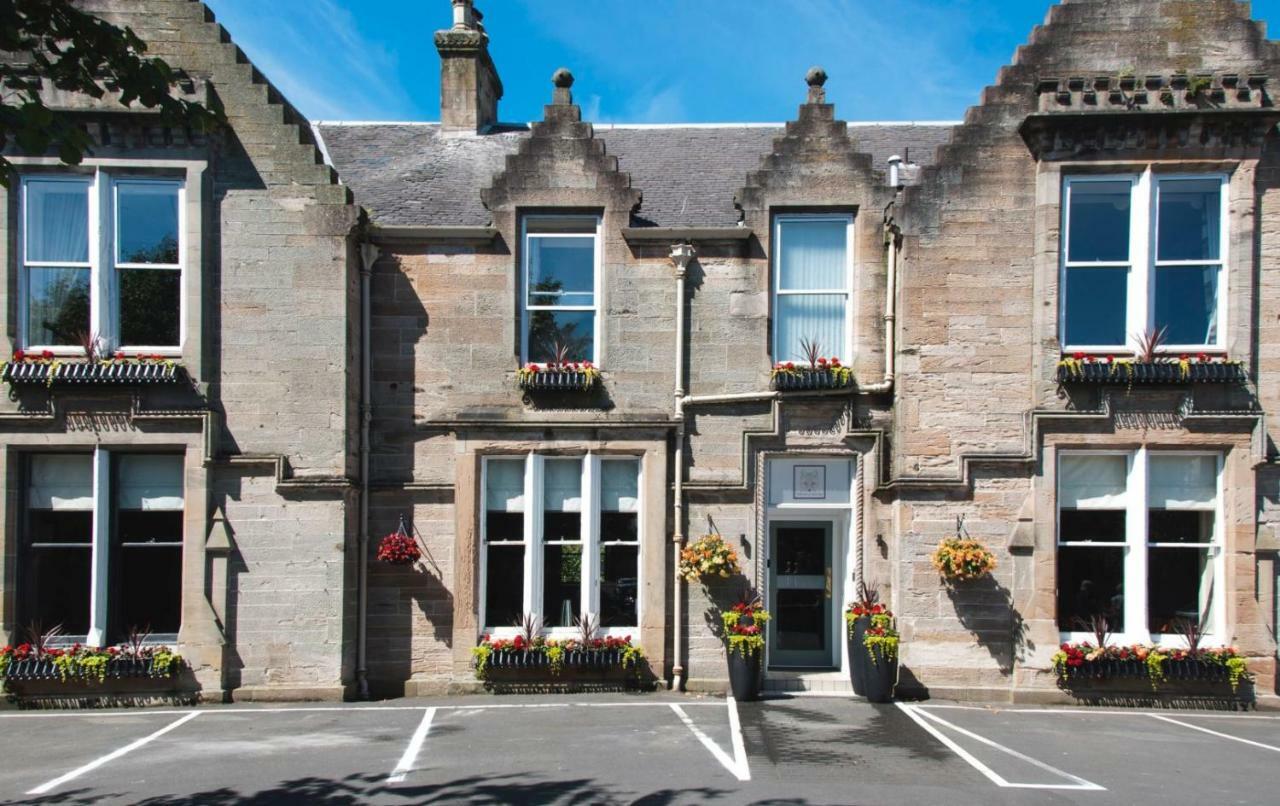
658 61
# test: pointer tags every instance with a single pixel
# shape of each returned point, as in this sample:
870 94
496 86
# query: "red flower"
119 354
47 354
586 365
791 365
1184 357
1078 356
19 355
533 367
835 362
518 642
1203 358
822 362
1111 359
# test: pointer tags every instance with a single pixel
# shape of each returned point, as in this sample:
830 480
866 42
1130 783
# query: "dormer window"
561 278
813 278
1144 252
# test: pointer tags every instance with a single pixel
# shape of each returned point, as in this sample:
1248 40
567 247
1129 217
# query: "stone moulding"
53 373
1071 134
1102 373
808 379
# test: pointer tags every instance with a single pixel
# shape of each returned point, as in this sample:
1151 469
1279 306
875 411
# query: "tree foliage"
52 40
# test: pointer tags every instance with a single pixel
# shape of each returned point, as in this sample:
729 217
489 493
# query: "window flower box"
1185 369
89 671
1202 671
549 660
568 376
47 370
821 373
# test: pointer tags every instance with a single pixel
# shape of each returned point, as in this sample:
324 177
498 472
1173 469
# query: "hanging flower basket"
399 548
708 557
568 376
44 369
1086 369
963 559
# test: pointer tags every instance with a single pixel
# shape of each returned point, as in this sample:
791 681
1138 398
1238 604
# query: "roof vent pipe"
895 179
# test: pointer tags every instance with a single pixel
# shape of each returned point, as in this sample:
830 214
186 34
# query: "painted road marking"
922 718
1082 711
410 756
109 757
737 766
1163 718
349 709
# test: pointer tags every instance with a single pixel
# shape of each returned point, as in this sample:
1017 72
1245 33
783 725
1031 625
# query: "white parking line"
737 765
410 756
922 717
996 709
1163 718
112 756
217 711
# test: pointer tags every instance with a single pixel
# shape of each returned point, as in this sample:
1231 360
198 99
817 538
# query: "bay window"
560 278
1142 252
101 255
812 286
102 545
560 538
1139 543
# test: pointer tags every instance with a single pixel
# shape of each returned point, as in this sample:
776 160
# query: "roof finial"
563 80
815 78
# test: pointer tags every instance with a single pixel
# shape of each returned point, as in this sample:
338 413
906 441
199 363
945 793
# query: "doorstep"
833 682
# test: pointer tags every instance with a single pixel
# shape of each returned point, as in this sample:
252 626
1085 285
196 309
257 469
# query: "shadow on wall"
521 787
985 608
401 598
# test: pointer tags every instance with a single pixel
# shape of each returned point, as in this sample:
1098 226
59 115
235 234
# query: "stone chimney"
469 83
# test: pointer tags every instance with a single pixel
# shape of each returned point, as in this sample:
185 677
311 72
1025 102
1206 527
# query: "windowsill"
1161 640
561 633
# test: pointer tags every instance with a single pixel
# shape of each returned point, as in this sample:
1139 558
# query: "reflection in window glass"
1187 303
561 584
562 271
619 538
149 307
1099 222
1179 588
57 306
1189 219
619 584
1090 584
572 330
1096 305
147 223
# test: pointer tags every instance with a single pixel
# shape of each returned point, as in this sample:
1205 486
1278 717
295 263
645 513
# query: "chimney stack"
469 83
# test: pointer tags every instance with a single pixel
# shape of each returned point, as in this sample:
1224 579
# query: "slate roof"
407 174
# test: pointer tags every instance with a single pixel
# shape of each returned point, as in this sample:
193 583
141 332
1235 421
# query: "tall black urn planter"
858 654
744 675
882 675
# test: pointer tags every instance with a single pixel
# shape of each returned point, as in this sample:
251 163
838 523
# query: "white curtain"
1182 482
817 318
1091 482
619 485
562 485
1211 303
149 482
812 256
504 485
57 221
61 481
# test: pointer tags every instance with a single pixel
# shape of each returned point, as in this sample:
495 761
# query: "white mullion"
1135 561
1224 246
101 244
523 291
1218 560
100 556
1142 207
597 293
590 595
533 533
482 583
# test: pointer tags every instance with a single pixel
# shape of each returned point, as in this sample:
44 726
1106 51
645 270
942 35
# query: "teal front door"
800 595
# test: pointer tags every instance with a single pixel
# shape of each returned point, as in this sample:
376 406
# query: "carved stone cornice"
1204 132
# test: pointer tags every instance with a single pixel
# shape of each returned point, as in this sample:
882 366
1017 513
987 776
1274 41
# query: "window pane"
812 256
561 585
504 485
1091 525
504 527
61 481
1183 481
150 302
147 221
562 485
813 317
1187 303
1180 526
56 578
573 330
562 270
1091 481
59 588
504 586
619 582
149 482
1189 219
1090 583
799 613
1179 588
57 306
561 526
57 221
619 485
618 526
1096 303
1099 222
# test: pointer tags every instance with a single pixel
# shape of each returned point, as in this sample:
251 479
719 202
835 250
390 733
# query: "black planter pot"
744 675
858 654
1100 372
808 378
882 677
556 381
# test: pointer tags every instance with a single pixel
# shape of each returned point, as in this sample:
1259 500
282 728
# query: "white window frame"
1142 263
597 287
1136 500
533 542
845 353
100 559
104 306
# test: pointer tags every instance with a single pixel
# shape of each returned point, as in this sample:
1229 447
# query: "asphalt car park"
650 749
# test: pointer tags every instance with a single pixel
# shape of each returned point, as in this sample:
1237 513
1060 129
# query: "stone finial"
816 78
464 15
562 79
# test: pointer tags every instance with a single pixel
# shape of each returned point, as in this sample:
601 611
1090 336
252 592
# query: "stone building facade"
357 300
